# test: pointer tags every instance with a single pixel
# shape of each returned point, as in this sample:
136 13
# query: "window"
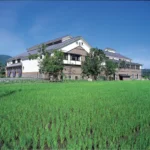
40 56
137 76
65 56
18 60
128 66
132 67
13 61
69 77
137 67
75 57
80 43
53 43
76 77
57 42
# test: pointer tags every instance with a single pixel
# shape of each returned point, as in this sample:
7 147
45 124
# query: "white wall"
85 46
30 65
128 60
140 67
9 63
76 44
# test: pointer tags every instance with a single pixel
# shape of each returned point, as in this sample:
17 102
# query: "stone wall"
72 72
32 75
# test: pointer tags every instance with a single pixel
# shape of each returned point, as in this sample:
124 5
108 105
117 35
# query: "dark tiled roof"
50 41
65 43
49 48
22 55
130 63
117 55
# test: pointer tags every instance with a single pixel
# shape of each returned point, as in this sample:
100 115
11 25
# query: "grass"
75 115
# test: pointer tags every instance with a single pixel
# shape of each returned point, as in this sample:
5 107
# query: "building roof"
117 55
67 41
130 63
110 49
49 48
48 42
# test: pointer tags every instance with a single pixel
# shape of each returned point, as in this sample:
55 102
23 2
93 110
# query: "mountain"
4 58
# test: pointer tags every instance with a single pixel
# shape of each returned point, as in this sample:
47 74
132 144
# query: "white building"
75 49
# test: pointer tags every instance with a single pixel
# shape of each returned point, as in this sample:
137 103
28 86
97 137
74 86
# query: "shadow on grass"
8 93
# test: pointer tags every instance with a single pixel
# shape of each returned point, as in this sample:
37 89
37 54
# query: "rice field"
75 115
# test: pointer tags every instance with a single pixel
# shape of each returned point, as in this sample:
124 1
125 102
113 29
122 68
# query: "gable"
81 42
78 50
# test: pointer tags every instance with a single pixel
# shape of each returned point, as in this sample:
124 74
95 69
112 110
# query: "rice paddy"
75 115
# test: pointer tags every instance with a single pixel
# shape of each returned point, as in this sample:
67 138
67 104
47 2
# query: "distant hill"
4 58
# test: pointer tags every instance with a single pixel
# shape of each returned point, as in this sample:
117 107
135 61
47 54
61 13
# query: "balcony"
71 62
14 62
72 59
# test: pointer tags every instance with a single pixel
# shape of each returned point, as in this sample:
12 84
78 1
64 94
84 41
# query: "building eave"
14 65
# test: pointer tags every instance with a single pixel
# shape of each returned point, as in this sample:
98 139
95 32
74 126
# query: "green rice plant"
75 115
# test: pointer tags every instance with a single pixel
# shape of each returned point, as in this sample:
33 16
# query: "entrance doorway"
124 77
120 77
76 77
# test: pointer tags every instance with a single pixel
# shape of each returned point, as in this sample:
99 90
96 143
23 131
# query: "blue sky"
124 26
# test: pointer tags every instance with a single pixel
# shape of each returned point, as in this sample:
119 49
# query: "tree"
110 68
51 64
2 70
93 64
122 64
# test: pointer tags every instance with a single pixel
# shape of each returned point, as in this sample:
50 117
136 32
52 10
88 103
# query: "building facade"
130 70
75 49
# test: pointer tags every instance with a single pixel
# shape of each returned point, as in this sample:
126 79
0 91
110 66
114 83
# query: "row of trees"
95 63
